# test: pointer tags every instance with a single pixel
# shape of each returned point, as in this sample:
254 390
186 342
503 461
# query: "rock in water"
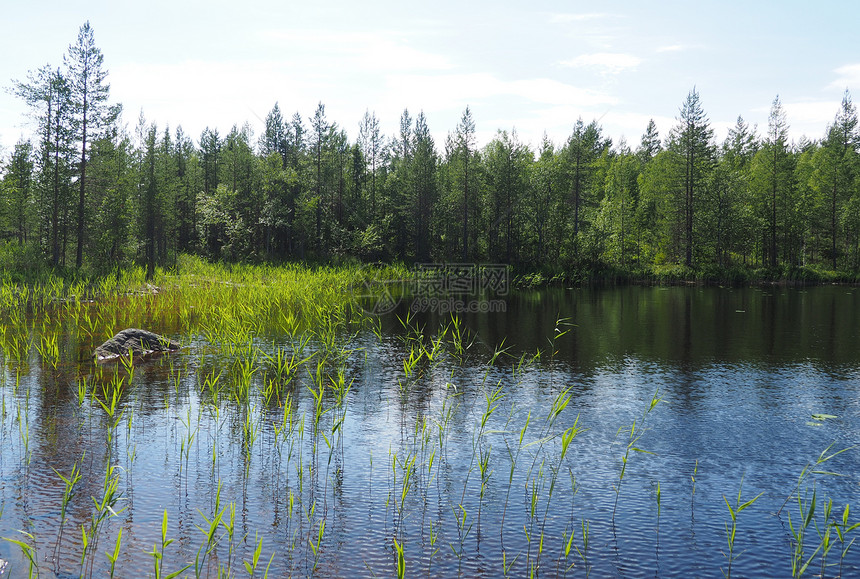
138 342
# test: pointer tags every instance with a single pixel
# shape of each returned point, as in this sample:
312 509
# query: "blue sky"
531 66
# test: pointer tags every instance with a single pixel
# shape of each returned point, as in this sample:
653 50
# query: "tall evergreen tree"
507 162
618 207
48 95
274 137
210 152
650 144
113 184
465 143
735 226
544 202
772 181
320 133
185 164
584 148
148 200
371 143
17 192
89 92
422 181
691 140
841 146
242 198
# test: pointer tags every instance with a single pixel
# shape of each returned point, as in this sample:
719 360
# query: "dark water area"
460 462
682 326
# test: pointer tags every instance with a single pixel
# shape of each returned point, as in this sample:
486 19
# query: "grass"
678 274
262 409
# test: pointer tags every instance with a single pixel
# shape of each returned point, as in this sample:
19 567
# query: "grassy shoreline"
682 275
19 265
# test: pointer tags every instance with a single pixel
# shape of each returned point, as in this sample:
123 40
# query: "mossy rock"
136 343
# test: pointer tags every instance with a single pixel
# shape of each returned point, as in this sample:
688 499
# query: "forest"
86 192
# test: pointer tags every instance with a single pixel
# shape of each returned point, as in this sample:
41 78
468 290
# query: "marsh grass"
732 527
265 391
635 431
815 529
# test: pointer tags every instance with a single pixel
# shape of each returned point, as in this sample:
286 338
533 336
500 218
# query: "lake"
579 432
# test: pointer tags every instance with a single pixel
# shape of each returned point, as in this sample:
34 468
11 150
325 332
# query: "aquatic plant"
158 553
69 483
114 555
731 529
278 372
29 552
636 431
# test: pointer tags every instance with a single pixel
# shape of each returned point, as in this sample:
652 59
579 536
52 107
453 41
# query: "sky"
530 66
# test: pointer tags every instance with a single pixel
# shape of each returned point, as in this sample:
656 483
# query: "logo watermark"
441 288
376 293
455 306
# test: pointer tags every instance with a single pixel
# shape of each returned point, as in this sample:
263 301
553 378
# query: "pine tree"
274 137
841 143
584 148
650 144
465 145
544 202
89 94
321 130
691 140
506 162
619 204
735 228
774 175
370 141
423 184
17 191
48 95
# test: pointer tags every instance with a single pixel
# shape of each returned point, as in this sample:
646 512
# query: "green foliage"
754 206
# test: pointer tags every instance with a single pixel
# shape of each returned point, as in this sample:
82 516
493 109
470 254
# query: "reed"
251 566
28 551
210 533
157 553
636 431
731 529
69 483
400 559
185 445
114 555
104 509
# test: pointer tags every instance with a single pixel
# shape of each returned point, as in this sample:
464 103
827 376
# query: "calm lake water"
754 385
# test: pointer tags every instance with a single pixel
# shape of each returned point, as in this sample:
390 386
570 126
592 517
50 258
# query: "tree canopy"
85 190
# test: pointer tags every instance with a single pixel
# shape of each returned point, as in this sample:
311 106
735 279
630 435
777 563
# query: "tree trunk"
79 258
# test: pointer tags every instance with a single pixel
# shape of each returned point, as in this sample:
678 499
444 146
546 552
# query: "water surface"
745 378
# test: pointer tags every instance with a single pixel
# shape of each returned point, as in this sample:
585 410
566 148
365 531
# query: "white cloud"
532 106
812 113
671 48
606 62
848 76
197 94
375 51
632 125
455 90
564 18
809 118
547 91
